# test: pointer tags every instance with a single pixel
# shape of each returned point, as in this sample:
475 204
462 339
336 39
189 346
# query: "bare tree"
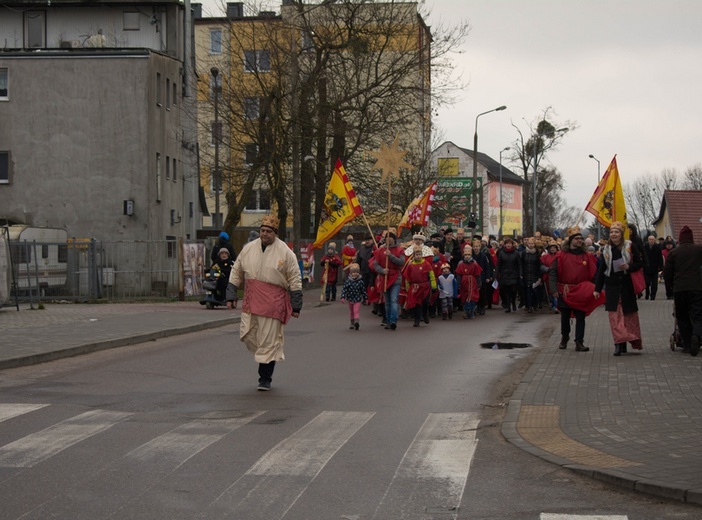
693 177
644 195
341 79
531 149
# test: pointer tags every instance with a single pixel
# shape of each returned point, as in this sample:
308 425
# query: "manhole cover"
504 346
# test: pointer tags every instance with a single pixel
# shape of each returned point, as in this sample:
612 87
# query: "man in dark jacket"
485 262
683 270
652 266
363 258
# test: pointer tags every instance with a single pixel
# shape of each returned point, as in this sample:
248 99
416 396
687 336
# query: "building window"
257 61
131 21
35 29
175 172
252 107
175 93
168 93
259 200
216 181
4 84
171 244
158 177
216 41
250 153
4 167
158 88
168 168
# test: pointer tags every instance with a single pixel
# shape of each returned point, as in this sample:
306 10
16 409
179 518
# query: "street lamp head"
591 156
500 108
214 71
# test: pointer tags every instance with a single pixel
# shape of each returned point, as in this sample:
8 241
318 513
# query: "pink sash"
265 299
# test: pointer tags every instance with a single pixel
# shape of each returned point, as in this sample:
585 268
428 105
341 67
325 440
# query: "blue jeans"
392 308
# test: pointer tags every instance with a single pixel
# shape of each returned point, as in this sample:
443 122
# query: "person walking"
668 246
354 292
482 256
272 294
683 271
468 274
389 260
570 280
508 274
530 268
652 267
330 263
619 259
419 280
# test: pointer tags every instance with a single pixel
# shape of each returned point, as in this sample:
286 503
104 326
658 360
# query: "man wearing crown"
272 293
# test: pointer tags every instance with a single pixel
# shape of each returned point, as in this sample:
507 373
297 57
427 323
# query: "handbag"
637 280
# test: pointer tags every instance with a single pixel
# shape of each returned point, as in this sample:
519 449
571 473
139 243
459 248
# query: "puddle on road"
493 345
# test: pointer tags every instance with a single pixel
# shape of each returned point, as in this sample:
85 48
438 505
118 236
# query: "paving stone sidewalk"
633 420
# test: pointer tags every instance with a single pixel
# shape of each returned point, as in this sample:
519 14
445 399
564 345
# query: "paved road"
632 421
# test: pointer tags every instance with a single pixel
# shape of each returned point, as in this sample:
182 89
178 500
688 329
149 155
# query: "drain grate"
504 346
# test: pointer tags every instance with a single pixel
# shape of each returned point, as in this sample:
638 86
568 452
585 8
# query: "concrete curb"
113 343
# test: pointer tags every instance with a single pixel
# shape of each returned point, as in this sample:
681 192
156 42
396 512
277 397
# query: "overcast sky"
627 72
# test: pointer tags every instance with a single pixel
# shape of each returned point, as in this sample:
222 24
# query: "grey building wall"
83 130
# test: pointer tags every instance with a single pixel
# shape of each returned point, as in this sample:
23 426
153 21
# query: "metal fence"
81 269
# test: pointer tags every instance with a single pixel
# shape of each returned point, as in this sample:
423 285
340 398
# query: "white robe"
277 265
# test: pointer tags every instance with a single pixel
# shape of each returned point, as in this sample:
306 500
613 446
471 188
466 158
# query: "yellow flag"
340 206
607 203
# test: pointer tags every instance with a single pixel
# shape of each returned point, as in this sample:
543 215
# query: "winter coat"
618 285
683 268
530 267
508 267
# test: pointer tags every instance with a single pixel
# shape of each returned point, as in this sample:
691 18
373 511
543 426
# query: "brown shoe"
579 347
564 342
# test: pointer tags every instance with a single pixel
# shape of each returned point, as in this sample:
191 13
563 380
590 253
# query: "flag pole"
324 277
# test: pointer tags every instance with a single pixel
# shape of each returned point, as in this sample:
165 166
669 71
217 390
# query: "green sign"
452 204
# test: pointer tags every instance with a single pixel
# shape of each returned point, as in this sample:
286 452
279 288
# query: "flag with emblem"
607 203
419 210
341 206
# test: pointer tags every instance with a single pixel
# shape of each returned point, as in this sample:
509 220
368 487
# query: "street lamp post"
598 183
216 178
499 234
474 201
533 178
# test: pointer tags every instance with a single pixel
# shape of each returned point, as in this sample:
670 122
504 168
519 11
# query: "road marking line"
435 467
187 440
557 516
34 448
10 410
279 478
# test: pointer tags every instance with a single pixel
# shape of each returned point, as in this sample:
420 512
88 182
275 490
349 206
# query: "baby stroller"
675 337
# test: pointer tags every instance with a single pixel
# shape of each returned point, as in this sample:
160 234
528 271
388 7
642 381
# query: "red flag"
419 210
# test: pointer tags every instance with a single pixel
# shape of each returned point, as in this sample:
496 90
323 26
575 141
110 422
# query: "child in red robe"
468 273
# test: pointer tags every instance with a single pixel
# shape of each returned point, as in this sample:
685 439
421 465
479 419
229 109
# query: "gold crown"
271 222
617 225
575 230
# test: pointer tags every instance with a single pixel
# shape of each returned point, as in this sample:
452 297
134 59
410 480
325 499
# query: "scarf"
607 255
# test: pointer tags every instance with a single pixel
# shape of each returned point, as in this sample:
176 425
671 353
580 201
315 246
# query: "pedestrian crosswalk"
430 477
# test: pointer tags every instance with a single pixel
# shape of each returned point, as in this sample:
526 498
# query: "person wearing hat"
272 294
620 258
508 274
418 277
570 280
330 263
683 271
354 293
389 260
222 242
653 267
468 274
224 266
448 290
348 253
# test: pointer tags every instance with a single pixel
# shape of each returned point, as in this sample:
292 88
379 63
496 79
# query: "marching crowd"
450 273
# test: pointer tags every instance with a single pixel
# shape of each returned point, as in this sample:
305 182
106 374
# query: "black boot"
623 349
564 342
580 347
617 349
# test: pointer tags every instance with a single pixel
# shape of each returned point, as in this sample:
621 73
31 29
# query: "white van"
39 252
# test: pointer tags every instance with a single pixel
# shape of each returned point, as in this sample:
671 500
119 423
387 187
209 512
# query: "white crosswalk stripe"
10 410
435 467
272 485
559 516
34 448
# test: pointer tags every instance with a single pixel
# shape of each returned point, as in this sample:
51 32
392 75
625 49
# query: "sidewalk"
633 421
63 330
